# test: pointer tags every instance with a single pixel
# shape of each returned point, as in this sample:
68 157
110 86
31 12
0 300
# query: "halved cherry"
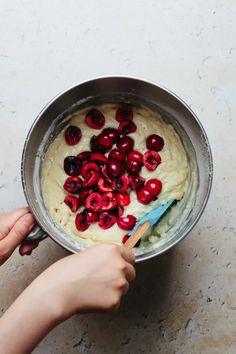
104 185
144 196
136 182
127 127
151 159
94 146
84 157
108 201
116 155
91 216
112 133
120 184
83 194
81 221
125 144
72 166
155 142
123 199
154 186
133 167
118 210
106 220
124 112
126 222
114 168
104 173
72 135
93 202
98 157
125 238
104 141
72 202
90 166
73 184
91 179
95 119
136 156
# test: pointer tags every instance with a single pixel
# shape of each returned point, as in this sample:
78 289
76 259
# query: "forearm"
26 323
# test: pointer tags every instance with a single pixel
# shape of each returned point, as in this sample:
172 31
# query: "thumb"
19 231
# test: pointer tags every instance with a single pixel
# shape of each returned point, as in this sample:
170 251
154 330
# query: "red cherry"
103 185
116 155
125 144
73 184
106 220
120 184
144 196
108 201
104 141
83 194
91 179
104 173
135 155
95 119
133 167
112 133
72 166
151 159
154 186
94 202
154 142
123 199
94 146
91 216
127 127
114 168
81 221
98 157
90 166
72 135
124 113
72 202
118 210
126 222
84 157
125 238
136 182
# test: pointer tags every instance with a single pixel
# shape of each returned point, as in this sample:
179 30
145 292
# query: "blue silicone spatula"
145 222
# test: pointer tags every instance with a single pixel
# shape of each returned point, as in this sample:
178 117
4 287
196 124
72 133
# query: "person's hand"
92 280
14 227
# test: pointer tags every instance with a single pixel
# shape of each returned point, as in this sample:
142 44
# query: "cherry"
72 166
151 160
124 112
135 155
84 157
106 220
81 221
136 182
95 119
108 201
144 196
104 185
154 186
93 201
118 210
112 133
98 157
104 141
125 144
91 179
72 202
127 127
123 199
114 168
120 184
104 173
73 184
94 146
72 135
154 142
91 216
125 238
84 193
90 166
116 155
126 222
133 167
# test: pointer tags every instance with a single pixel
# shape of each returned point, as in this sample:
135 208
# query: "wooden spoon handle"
132 240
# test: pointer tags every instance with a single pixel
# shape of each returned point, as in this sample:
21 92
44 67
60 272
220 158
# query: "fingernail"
28 219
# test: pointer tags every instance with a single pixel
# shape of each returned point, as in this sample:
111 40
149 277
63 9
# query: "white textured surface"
184 302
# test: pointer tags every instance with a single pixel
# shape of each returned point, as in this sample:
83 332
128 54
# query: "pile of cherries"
101 183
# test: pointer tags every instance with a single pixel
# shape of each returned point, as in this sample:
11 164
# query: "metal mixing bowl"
115 89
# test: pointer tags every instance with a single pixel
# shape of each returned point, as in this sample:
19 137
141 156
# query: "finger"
26 250
128 255
125 288
7 220
130 272
19 231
